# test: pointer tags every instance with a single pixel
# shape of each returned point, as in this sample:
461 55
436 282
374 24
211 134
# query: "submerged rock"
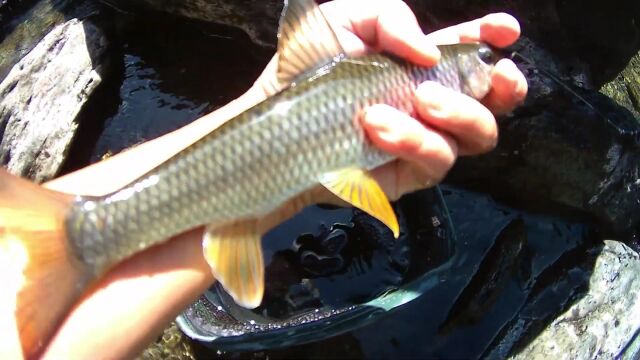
171 344
43 94
601 323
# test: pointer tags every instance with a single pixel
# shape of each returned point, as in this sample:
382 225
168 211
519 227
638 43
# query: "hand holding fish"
448 123
122 312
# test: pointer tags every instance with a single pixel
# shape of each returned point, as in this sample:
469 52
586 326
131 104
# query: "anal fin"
234 253
357 187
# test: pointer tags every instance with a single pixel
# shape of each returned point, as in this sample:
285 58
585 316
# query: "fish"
306 134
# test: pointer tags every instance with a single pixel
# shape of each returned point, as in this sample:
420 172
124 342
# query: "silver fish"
308 133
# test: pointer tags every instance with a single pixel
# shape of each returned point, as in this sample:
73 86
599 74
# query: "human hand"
449 123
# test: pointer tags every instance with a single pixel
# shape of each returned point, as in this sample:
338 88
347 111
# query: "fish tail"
36 263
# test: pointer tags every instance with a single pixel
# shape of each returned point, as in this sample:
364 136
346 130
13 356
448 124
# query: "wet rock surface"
625 88
602 319
24 23
42 95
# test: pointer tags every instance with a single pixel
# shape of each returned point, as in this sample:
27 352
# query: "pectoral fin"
360 189
234 253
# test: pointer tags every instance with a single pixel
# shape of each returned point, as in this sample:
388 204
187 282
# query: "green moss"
625 88
172 344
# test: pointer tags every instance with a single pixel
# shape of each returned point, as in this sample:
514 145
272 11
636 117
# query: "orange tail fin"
33 240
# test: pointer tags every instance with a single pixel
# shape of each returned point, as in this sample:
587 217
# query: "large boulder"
24 23
43 94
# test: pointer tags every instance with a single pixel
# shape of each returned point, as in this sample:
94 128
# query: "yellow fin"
360 189
234 253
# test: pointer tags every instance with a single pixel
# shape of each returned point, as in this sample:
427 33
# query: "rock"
258 18
625 88
556 149
600 324
24 23
171 344
42 95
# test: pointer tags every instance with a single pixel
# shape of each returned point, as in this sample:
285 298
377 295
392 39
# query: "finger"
398 32
471 124
509 88
499 29
385 25
407 138
11 269
401 177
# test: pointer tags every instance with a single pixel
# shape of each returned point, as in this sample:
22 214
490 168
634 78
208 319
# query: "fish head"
475 63
465 68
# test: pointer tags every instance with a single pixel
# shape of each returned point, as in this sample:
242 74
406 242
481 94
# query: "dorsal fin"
305 40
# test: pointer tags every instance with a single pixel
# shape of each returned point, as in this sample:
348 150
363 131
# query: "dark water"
507 274
508 268
166 74
330 271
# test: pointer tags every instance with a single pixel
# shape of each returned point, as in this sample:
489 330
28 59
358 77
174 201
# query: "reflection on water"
170 80
145 111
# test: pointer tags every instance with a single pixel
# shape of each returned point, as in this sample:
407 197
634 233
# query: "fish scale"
261 158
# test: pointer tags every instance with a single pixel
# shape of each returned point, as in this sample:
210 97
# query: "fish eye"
487 55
